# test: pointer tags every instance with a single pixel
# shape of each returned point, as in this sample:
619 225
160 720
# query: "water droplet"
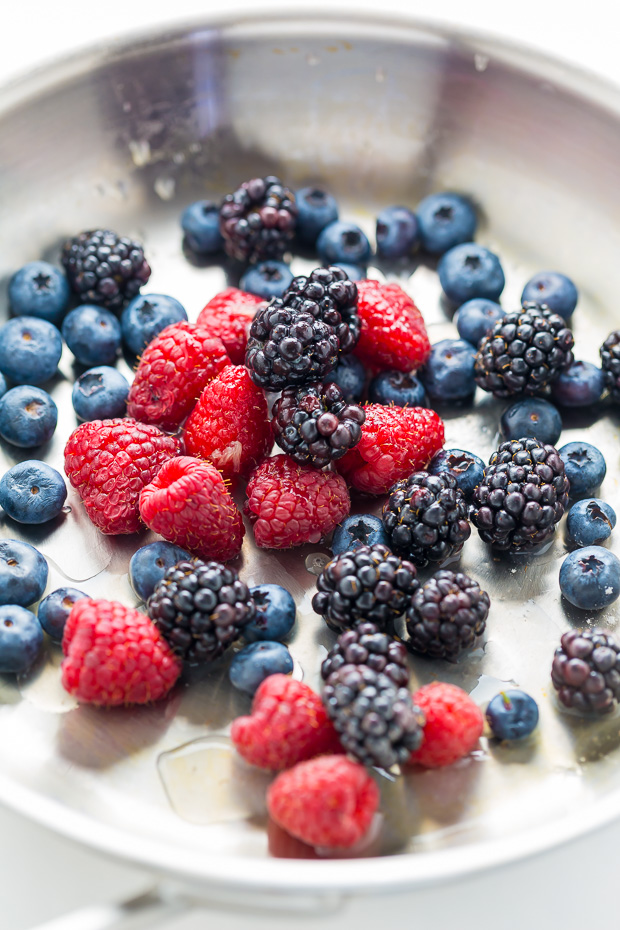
481 62
66 508
140 152
164 188
298 672
316 562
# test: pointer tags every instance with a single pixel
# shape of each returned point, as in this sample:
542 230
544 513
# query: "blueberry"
149 564
531 418
23 573
445 220
100 394
40 290
32 492
554 290
200 223
316 210
55 608
590 521
3 386
267 279
360 530
258 661
275 613
353 272
590 578
469 270
512 714
448 374
585 467
93 334
21 639
343 242
396 387
28 416
145 316
350 376
398 233
579 385
30 350
475 317
466 468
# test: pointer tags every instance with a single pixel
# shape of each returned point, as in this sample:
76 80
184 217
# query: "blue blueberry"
531 418
275 613
579 385
475 317
343 242
316 210
445 220
3 386
449 371
465 467
40 290
584 465
149 564
512 714
350 376
21 639
32 492
353 272
469 270
396 387
23 573
200 223
100 394
55 608
28 416
589 522
398 233
267 279
93 334
30 350
258 661
145 316
553 289
362 529
590 578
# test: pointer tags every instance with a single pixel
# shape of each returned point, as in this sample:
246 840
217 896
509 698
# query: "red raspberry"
453 724
188 504
393 334
108 462
228 315
329 801
229 425
396 441
173 370
288 724
115 655
291 504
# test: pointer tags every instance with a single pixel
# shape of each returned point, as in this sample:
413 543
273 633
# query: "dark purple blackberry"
104 268
336 296
586 671
524 352
425 517
367 645
257 221
447 614
610 363
200 608
366 584
522 495
315 425
377 722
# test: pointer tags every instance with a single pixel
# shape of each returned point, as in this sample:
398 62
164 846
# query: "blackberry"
105 268
200 608
610 363
258 220
522 495
586 670
425 517
367 645
336 296
447 614
524 352
365 584
314 424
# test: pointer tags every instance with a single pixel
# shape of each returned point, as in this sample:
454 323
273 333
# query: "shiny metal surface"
380 113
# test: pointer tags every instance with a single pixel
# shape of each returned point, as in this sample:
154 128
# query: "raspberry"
188 504
229 425
396 441
288 724
174 368
292 504
108 462
393 334
228 315
328 802
114 655
453 724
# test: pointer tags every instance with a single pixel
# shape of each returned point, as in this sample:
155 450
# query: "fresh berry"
590 578
554 290
367 645
115 656
393 335
586 671
397 387
398 233
229 315
353 272
275 613
585 468
448 374
512 714
579 385
258 220
21 639
267 279
589 522
396 441
28 416
447 615
291 504
30 350
454 724
104 268
200 222
350 377
100 394
316 210
610 363
336 298
108 462
149 564
188 503
531 418
356 531
174 368
257 661
343 242
23 573
445 220
93 334
145 316
32 492
469 270
39 289
465 467
55 608
4 386
476 317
